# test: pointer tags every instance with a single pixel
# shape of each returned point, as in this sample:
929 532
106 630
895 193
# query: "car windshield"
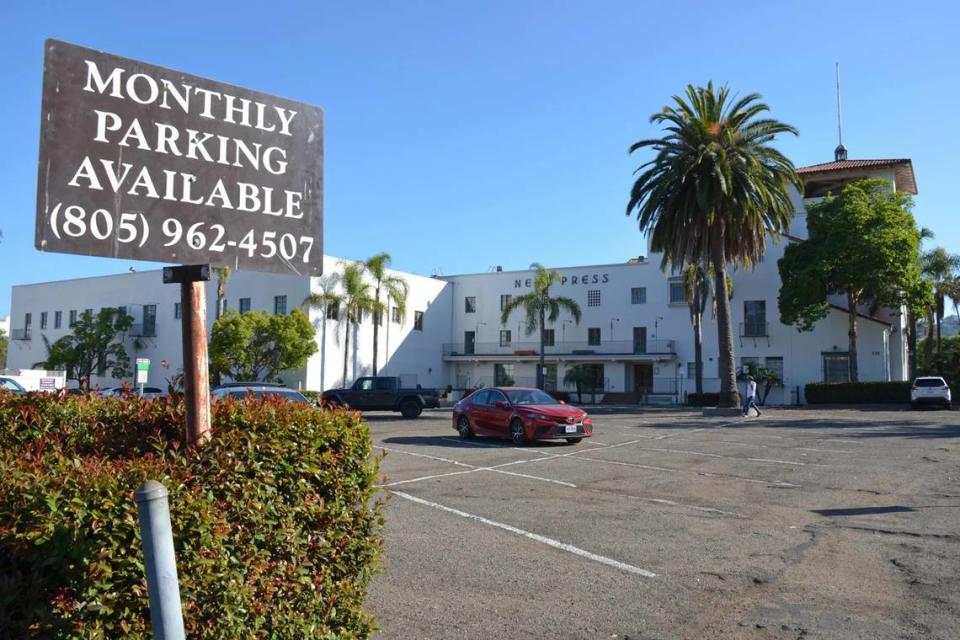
530 396
11 385
287 394
929 382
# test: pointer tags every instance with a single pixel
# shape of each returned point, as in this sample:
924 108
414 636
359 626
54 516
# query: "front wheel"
464 429
517 433
410 409
574 440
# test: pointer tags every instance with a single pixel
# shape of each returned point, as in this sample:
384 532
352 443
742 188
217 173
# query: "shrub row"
703 399
277 532
858 393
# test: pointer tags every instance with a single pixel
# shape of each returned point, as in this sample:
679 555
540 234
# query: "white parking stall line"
717 455
495 446
424 455
635 465
524 475
671 503
422 478
556 544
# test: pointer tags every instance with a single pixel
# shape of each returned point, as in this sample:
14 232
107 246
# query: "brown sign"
145 163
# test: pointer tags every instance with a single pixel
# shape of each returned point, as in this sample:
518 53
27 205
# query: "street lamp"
612 320
656 323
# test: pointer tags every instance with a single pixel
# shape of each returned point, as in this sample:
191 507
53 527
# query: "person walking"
750 398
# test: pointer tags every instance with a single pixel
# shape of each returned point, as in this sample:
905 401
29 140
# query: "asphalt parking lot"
799 524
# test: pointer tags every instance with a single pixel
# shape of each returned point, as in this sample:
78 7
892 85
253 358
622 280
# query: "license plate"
571 428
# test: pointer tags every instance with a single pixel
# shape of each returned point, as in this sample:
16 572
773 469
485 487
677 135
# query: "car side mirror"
501 404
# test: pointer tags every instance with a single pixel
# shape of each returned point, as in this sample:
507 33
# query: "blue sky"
463 135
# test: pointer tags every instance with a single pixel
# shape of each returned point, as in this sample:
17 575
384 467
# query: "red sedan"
521 415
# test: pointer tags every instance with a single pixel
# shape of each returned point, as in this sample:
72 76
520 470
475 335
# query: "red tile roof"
903 170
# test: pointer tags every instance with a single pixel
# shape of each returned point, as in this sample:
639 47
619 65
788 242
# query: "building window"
418 320
836 367
593 298
692 370
754 318
505 299
149 320
775 364
505 337
638 295
678 292
469 342
503 375
395 315
176 311
43 319
593 336
333 312
280 305
470 304
88 313
549 338
73 317
749 364
639 339
27 321
57 319
550 377
244 305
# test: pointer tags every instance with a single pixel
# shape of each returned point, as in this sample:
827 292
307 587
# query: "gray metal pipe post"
159 561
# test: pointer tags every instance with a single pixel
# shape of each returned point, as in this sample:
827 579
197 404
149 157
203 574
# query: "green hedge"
276 529
858 393
703 399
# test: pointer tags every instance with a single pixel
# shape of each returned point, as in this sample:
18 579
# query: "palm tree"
713 192
223 274
696 283
580 376
356 299
540 307
324 299
940 268
397 290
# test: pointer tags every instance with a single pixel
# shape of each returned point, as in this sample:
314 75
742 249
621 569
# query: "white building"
635 330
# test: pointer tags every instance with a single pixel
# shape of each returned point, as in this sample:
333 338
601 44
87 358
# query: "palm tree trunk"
912 343
940 305
928 344
346 351
543 344
376 330
852 336
323 347
698 352
729 396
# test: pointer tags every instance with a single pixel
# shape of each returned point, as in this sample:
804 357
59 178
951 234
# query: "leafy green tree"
260 345
396 289
539 306
765 378
94 348
356 299
863 244
713 192
324 299
4 344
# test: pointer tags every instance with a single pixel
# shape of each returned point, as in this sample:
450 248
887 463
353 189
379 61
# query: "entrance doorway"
643 378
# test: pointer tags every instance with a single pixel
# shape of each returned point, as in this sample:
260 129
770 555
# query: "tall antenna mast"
840 153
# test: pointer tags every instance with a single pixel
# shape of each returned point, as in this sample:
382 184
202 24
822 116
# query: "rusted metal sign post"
193 323
142 162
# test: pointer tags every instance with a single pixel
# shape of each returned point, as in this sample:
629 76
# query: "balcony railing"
140 330
754 329
22 334
608 347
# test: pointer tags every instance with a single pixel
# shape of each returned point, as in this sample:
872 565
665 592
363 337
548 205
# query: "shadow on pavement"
862 511
454 442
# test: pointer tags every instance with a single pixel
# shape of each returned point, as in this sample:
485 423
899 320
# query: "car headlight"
540 416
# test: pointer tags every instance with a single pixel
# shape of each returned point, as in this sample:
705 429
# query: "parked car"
11 385
520 414
383 393
240 390
149 393
927 390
